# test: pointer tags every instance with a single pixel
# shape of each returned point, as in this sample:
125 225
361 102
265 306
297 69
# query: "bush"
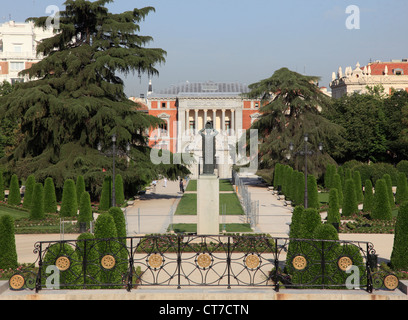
120 221
69 203
105 200
358 187
399 256
85 208
382 209
80 187
368 204
14 197
333 214
402 189
37 204
337 185
349 201
1 186
300 188
379 169
329 176
119 190
310 220
312 193
402 166
86 245
340 172
8 251
50 198
28 193
277 175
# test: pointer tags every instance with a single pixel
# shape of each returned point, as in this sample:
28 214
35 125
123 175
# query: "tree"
29 189
8 250
402 189
292 105
69 203
368 204
80 187
337 185
382 208
119 191
50 198
358 187
312 193
1 186
85 208
349 201
333 214
76 99
390 193
399 257
14 197
37 205
105 200
329 176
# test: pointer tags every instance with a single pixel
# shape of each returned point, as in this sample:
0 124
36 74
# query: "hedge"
37 204
333 214
368 204
106 195
85 208
14 197
402 189
50 198
382 208
28 193
399 256
312 192
8 251
349 201
69 203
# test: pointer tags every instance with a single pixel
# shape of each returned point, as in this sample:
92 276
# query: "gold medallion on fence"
299 263
252 261
155 260
204 260
108 262
63 263
16 282
344 263
391 282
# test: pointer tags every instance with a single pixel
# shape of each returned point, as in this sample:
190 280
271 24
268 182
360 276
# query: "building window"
164 105
163 129
1 45
16 66
256 105
398 72
16 80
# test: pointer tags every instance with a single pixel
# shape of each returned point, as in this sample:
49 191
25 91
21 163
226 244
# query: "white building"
18 49
392 75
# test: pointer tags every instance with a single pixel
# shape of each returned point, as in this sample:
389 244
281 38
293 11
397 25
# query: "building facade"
18 49
392 75
185 109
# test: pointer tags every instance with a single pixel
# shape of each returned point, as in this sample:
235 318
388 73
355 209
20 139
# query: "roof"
377 68
203 89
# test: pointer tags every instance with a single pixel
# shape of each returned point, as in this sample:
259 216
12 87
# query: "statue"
208 135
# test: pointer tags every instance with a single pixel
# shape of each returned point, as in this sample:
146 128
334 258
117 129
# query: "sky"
248 40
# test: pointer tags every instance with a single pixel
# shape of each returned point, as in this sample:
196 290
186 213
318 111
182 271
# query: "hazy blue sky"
247 40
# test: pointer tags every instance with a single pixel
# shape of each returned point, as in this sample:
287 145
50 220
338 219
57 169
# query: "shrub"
120 221
1 186
296 223
368 204
379 169
85 208
358 187
50 198
402 166
310 220
28 193
277 175
382 209
8 251
340 172
80 187
402 189
69 203
349 200
312 193
333 214
399 256
300 188
14 197
337 185
390 194
329 176
86 247
37 204
105 200
119 190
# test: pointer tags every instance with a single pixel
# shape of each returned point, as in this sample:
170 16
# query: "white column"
195 121
187 124
215 118
223 121
233 121
205 118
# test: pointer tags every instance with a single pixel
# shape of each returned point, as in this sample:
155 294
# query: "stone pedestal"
208 204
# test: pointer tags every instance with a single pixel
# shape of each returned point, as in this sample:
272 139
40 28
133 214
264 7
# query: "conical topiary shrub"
399 256
390 194
402 189
37 204
337 185
368 204
1 186
80 187
85 209
300 188
105 200
8 250
69 203
50 198
358 187
382 209
14 197
29 189
329 176
120 221
119 190
333 214
350 206
312 193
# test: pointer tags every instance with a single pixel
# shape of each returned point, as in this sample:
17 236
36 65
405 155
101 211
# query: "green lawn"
225 185
192 228
188 204
15 213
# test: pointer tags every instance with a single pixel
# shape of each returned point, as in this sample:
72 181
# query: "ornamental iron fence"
190 260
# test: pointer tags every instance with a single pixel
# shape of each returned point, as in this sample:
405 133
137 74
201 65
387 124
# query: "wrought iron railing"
191 260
